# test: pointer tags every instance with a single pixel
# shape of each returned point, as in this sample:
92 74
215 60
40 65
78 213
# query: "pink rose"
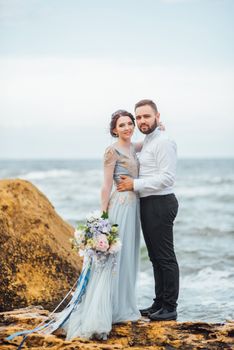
102 243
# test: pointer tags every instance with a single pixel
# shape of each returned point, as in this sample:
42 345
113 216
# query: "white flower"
93 216
115 247
105 229
79 236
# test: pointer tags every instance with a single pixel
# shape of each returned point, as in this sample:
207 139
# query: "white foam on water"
145 288
201 191
206 178
208 279
40 175
66 179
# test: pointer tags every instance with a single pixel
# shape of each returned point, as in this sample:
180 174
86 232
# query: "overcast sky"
66 65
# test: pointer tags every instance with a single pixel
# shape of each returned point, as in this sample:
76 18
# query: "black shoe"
150 310
163 315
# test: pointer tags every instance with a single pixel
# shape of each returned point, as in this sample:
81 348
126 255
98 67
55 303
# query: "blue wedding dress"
124 209
110 295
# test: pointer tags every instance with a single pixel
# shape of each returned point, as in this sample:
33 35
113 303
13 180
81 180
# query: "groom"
158 207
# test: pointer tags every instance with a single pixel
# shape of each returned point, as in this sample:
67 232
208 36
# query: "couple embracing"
143 195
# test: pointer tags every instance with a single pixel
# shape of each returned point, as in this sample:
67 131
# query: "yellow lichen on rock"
38 265
141 335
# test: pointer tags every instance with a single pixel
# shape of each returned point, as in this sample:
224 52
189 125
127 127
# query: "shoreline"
130 335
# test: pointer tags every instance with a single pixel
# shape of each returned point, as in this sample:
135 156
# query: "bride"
110 295
106 294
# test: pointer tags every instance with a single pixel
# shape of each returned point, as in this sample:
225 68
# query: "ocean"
203 231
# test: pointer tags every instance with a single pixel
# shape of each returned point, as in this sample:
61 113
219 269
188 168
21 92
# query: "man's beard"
150 129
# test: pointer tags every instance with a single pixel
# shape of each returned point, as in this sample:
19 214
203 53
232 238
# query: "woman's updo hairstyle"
115 116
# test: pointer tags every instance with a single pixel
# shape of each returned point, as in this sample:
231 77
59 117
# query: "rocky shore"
38 267
138 335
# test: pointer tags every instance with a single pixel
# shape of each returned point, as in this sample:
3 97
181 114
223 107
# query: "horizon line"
100 158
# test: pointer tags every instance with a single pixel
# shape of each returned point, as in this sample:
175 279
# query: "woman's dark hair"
115 116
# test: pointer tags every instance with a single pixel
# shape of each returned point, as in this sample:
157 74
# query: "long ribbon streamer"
81 283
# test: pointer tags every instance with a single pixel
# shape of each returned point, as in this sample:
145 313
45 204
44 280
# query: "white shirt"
157 165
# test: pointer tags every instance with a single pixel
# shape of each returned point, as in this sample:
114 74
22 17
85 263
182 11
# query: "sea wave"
207 179
41 175
225 192
208 279
82 175
145 289
209 231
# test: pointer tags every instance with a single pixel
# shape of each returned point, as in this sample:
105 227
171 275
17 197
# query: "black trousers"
157 217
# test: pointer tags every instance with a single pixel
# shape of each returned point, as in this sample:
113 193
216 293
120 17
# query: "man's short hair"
146 102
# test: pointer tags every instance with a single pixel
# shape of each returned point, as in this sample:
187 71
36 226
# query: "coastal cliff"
38 267
37 263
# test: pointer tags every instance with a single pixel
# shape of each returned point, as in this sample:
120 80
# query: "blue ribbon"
84 277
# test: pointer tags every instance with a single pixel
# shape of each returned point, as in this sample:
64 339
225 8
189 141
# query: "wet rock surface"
131 335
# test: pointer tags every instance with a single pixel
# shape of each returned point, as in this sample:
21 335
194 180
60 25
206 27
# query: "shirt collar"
153 134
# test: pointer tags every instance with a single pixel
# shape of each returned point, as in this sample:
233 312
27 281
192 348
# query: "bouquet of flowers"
98 238
96 241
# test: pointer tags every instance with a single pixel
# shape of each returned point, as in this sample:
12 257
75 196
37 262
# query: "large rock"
36 261
142 335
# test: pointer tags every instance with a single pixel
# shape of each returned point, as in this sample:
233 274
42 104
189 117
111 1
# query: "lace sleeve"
110 158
